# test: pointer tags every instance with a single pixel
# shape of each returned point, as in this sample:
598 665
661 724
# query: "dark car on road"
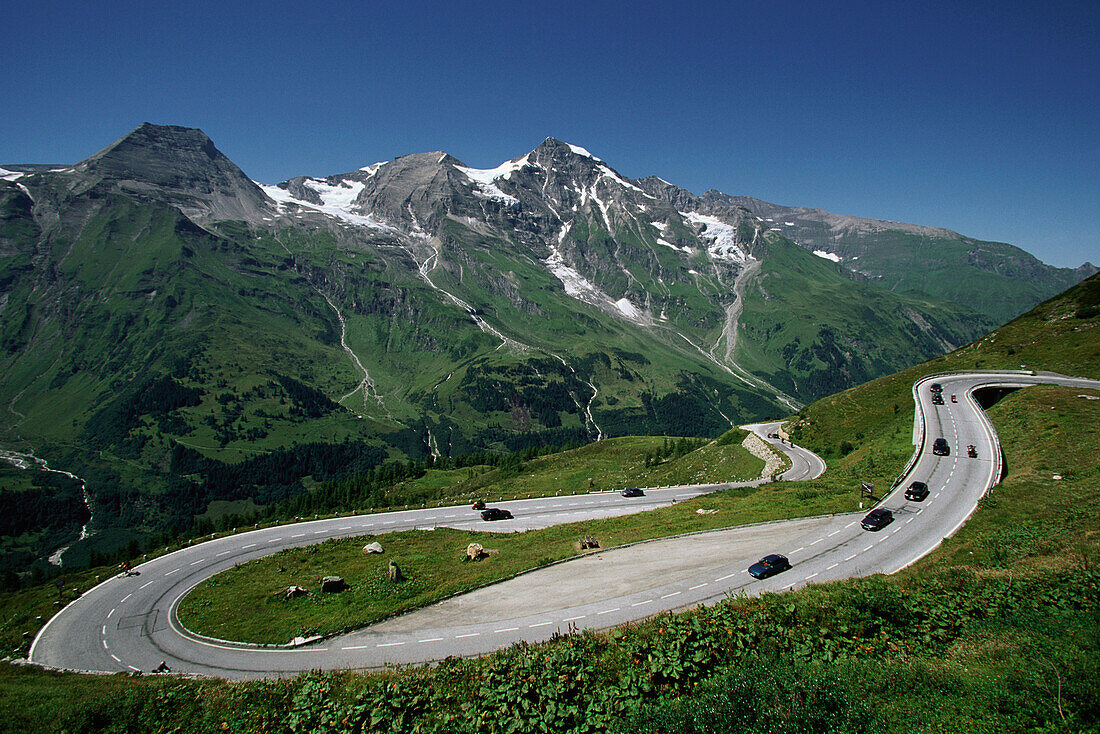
935 387
972 451
769 566
479 504
495 513
940 447
877 519
916 491
937 399
632 492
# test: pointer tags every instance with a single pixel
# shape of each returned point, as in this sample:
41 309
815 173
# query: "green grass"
432 560
611 464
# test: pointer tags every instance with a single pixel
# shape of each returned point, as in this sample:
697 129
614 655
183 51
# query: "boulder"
332 584
374 547
395 572
474 551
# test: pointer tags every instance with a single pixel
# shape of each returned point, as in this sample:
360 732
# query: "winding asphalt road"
128 623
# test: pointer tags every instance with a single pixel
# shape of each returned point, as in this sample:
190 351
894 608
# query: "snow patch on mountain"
337 202
661 227
485 178
581 151
666 243
373 168
626 308
723 237
827 255
579 287
9 175
337 196
605 171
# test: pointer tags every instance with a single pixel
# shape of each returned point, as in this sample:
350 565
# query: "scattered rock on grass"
332 584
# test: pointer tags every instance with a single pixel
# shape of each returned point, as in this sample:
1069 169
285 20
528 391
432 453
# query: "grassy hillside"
810 330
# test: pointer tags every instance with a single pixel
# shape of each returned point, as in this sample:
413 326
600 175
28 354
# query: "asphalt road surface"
128 622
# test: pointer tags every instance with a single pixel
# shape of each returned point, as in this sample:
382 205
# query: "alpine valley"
188 342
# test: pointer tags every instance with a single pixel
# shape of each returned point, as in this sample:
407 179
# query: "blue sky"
981 117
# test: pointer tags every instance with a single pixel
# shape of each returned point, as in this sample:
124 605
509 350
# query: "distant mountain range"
159 310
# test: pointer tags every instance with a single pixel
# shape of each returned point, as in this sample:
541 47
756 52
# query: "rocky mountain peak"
174 165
